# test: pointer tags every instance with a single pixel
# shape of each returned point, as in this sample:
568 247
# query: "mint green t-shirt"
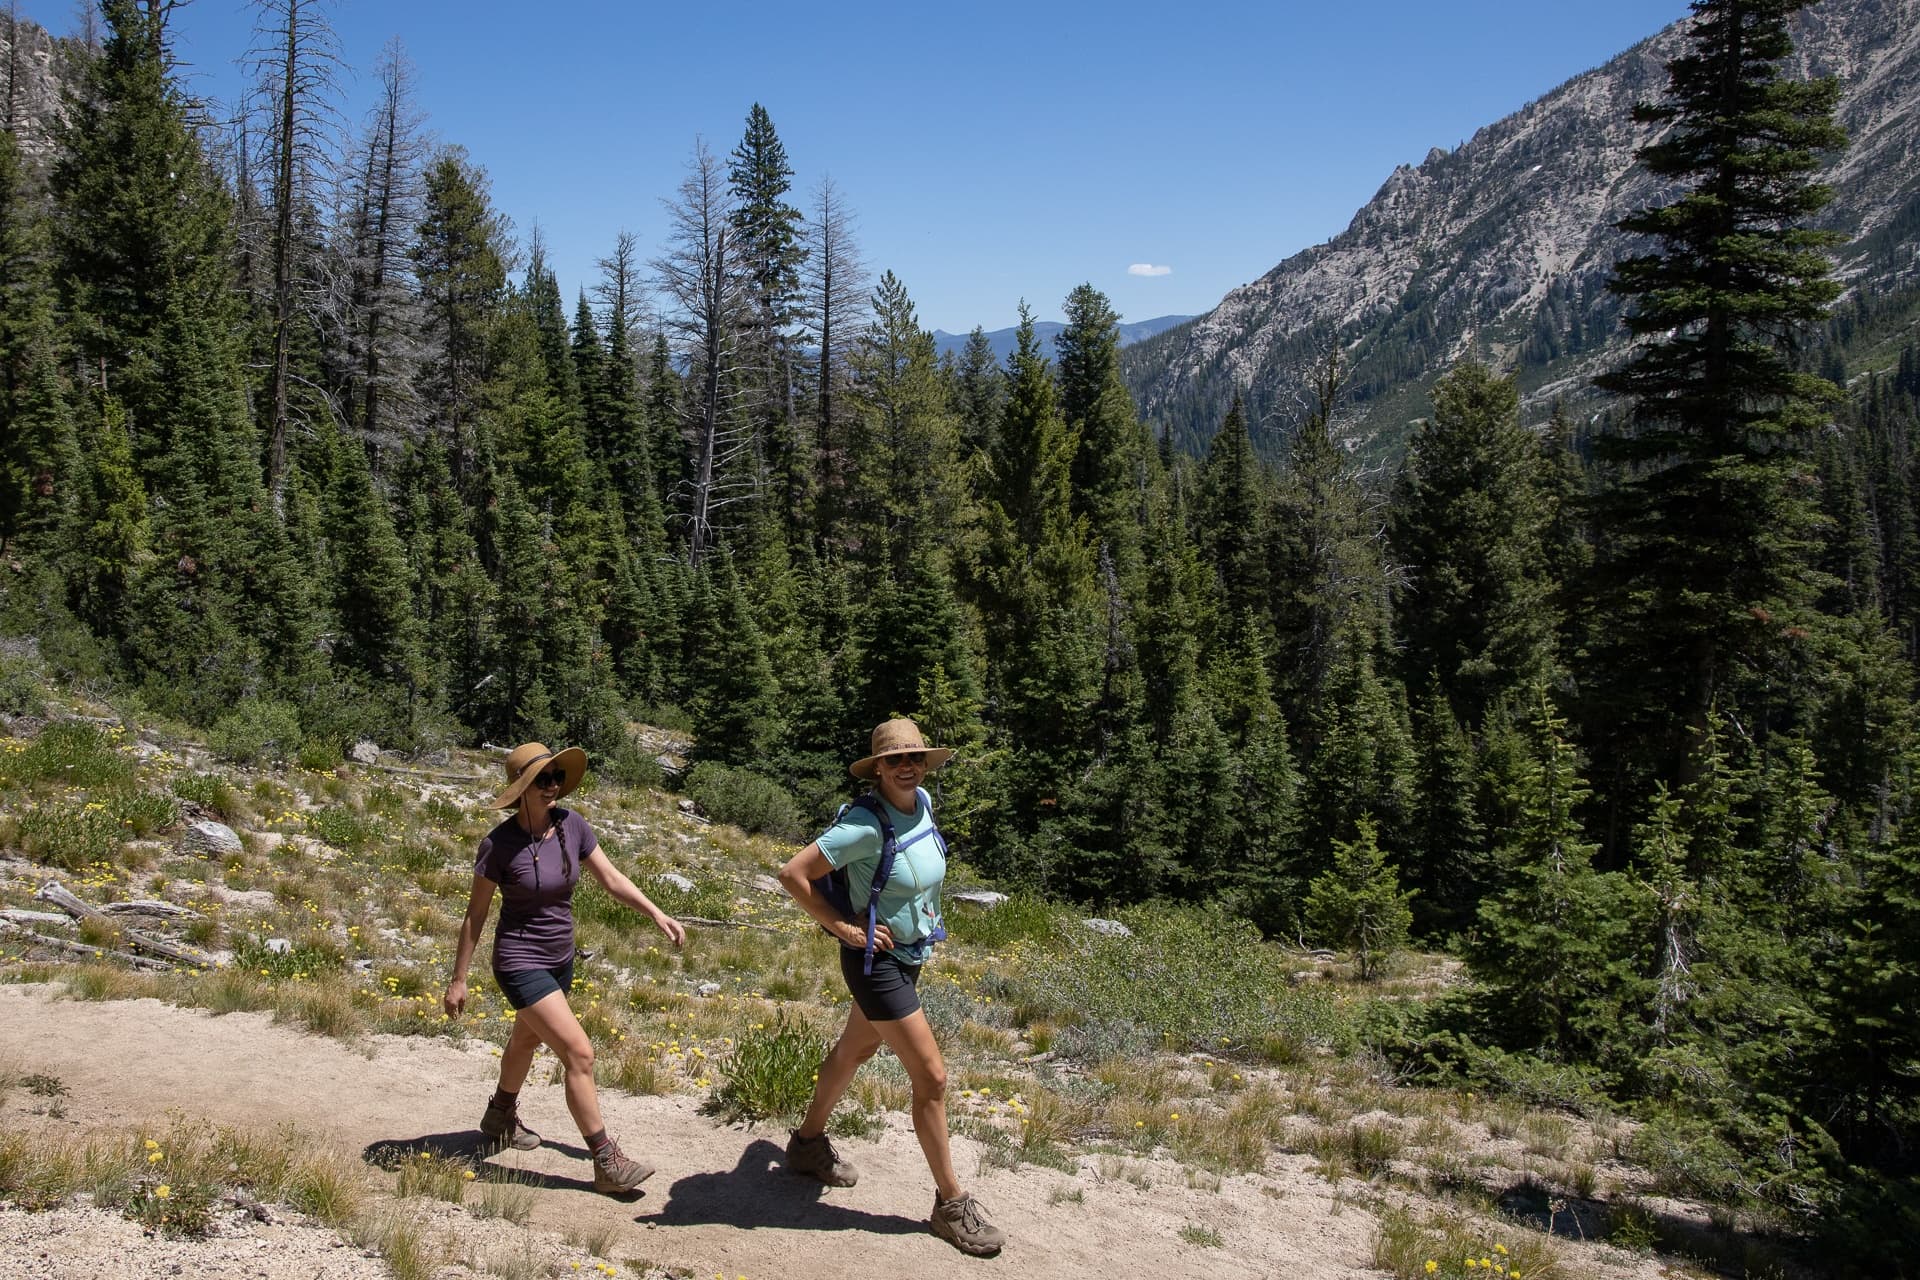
910 901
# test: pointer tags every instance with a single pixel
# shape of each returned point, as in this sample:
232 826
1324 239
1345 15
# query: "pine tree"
1553 944
1099 410
141 226
1467 518
1447 840
1358 904
1705 577
459 257
980 390
1232 518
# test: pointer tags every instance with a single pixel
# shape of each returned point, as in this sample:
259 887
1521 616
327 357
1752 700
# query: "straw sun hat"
897 737
528 760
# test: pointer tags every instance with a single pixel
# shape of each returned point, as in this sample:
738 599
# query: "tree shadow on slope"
758 1192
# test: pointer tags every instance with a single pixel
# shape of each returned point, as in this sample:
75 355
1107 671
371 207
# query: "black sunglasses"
907 757
551 778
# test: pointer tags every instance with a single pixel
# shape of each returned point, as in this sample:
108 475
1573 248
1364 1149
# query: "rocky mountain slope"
1502 247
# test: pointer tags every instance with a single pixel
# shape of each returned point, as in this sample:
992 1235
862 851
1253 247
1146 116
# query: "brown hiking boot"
502 1127
614 1173
962 1223
816 1158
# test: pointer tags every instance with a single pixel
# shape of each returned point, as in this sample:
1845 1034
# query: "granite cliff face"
1501 248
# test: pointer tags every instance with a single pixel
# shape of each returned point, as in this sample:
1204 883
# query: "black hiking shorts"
885 995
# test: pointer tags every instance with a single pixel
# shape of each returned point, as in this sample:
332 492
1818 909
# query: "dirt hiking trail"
719 1204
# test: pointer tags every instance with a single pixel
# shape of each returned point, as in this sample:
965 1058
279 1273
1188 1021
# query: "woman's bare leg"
858 1041
911 1040
550 1019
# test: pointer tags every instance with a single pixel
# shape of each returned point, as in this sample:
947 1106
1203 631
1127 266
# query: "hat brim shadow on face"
571 761
869 767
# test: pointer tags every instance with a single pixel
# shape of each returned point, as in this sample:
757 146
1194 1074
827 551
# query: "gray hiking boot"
816 1158
962 1223
614 1173
501 1126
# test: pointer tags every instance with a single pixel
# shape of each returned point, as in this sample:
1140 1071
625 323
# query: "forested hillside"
301 446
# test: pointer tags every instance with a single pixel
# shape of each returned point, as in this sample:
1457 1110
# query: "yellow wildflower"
162 1191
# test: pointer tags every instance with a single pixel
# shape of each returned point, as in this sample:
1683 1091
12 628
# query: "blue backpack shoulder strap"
889 849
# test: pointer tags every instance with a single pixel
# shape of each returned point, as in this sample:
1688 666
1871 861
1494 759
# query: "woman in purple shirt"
533 860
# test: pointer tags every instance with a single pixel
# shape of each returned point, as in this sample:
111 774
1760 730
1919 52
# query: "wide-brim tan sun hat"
528 760
897 737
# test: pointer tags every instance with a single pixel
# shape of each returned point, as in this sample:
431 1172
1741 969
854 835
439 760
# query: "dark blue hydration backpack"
835 887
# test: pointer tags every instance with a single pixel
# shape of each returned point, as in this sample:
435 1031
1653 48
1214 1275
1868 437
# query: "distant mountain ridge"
1501 249
1002 340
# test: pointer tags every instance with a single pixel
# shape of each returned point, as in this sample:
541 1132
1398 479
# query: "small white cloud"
1148 269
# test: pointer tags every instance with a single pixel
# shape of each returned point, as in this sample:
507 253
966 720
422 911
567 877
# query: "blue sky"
990 151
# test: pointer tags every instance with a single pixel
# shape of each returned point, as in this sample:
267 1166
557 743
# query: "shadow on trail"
473 1148
759 1192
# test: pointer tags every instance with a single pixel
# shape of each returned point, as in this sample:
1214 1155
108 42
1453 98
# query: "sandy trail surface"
719 1204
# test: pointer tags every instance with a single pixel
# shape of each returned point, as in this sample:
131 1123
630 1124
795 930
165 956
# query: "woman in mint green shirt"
886 1004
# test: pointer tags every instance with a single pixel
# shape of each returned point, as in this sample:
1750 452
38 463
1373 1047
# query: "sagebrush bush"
744 799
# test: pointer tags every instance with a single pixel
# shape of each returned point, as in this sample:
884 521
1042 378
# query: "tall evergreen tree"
1705 577
1467 522
460 260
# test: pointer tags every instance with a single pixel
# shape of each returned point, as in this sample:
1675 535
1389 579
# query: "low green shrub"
72 752
1193 977
1019 919
21 693
139 812
256 731
210 791
70 836
342 828
251 954
744 799
770 1073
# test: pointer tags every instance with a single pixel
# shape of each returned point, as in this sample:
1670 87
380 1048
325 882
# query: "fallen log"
727 924
148 907
60 896
30 938
42 918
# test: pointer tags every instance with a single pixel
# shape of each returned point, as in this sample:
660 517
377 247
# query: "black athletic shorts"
524 986
885 995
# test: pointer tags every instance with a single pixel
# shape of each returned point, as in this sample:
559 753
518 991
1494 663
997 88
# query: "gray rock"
364 752
247 899
686 805
280 946
978 897
1107 928
766 884
707 989
210 839
675 880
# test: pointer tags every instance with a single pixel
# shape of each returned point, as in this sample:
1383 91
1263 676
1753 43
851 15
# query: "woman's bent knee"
931 1085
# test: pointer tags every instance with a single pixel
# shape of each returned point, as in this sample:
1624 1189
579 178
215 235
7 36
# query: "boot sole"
612 1189
971 1250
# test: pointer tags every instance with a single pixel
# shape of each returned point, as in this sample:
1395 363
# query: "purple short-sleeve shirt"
536 890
